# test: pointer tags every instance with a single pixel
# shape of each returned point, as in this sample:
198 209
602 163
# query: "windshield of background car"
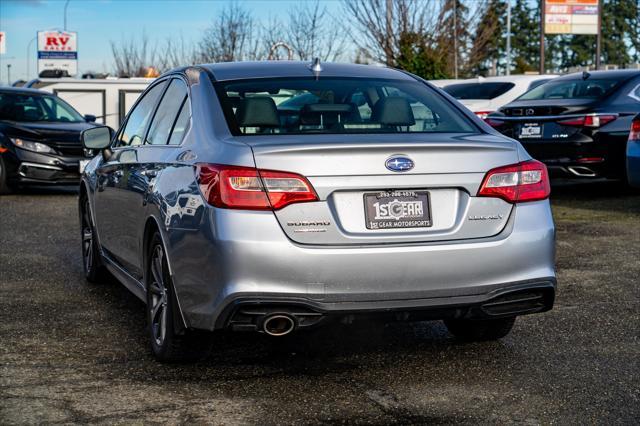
478 90
337 106
26 108
570 89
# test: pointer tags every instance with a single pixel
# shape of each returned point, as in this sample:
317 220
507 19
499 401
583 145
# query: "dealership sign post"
58 50
571 17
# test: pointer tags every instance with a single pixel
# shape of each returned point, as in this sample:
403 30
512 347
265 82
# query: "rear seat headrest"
393 111
257 112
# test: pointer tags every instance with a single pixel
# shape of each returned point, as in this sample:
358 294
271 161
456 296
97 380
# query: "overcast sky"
99 21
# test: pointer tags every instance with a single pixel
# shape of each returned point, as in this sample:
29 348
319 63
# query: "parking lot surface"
71 352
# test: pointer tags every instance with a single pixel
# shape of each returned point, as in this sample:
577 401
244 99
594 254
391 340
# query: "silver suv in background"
299 193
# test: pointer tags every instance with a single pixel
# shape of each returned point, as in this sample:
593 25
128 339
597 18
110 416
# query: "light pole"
455 39
65 14
9 74
508 37
28 50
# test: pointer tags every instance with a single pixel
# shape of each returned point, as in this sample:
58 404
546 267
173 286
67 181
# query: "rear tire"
94 269
168 345
5 188
480 330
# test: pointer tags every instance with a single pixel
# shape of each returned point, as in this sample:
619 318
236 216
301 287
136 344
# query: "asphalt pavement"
72 352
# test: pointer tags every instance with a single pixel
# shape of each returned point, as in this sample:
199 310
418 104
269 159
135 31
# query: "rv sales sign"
58 50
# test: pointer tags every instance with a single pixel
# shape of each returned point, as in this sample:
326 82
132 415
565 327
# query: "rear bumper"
602 157
247 257
26 167
504 300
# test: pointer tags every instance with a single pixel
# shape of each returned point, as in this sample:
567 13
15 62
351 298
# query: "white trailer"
108 99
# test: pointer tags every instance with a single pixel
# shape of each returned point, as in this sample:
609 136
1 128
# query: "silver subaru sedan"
277 196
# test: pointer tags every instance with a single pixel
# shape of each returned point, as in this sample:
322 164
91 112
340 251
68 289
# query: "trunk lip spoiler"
548 117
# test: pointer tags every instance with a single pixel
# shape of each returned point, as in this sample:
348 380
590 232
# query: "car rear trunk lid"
435 198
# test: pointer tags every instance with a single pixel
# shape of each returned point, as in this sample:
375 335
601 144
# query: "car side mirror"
97 137
89 118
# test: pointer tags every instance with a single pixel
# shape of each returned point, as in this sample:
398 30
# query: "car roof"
624 74
507 79
24 91
274 69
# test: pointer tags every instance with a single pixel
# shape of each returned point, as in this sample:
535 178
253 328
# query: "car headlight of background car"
32 146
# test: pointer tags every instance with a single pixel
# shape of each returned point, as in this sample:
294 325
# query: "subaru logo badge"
399 163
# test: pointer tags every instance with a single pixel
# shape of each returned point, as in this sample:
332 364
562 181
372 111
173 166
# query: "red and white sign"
3 42
571 17
58 50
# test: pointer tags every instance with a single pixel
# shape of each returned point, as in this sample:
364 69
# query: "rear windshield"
570 89
337 106
29 108
478 90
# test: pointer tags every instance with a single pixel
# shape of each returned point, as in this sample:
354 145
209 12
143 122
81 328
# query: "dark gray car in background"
275 196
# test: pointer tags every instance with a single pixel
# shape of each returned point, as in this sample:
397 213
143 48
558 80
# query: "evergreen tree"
525 36
447 34
620 31
489 42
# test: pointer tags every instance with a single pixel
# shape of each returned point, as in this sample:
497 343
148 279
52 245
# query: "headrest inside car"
326 114
393 111
257 112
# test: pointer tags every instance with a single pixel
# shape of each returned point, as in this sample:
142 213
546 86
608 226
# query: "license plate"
530 130
397 209
82 165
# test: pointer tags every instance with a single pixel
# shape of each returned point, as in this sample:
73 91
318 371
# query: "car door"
115 206
152 156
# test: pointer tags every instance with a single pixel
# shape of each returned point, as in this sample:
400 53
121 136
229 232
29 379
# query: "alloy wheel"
158 292
87 238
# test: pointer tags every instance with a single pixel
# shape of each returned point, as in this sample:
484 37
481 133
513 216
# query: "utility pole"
455 39
599 35
542 12
389 29
508 37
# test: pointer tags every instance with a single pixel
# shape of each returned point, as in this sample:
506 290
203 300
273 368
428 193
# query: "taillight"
483 114
516 183
247 188
634 134
591 120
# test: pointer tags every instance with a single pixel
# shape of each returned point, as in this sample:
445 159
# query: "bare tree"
176 53
230 37
131 57
381 24
313 32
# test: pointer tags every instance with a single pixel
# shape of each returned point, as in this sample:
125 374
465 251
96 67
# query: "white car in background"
484 95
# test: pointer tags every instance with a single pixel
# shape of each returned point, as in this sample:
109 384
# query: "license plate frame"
530 131
401 209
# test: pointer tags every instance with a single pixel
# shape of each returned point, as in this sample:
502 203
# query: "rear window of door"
168 110
133 132
478 90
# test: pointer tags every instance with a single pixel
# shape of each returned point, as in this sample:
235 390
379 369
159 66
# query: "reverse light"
516 183
590 120
634 133
248 188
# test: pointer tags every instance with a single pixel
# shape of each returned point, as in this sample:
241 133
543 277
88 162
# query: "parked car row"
578 124
276 197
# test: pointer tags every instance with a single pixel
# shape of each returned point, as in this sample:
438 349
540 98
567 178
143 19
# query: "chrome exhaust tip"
581 171
278 325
